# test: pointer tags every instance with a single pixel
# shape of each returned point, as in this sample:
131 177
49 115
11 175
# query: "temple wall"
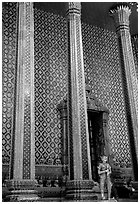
50 82
102 72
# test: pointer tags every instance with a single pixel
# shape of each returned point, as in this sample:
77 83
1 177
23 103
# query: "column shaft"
22 167
80 184
121 15
77 107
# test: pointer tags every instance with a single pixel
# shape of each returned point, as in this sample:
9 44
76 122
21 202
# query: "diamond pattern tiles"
8 76
102 71
50 83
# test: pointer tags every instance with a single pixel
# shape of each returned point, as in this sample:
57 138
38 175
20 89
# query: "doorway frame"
93 105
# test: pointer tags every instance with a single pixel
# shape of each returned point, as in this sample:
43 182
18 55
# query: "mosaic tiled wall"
50 83
102 71
9 30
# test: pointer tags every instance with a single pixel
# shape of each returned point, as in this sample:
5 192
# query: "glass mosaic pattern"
102 71
50 83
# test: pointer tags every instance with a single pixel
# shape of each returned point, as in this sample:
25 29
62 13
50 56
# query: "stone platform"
111 200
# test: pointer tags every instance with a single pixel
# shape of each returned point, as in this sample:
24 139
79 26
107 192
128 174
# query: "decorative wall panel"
9 28
50 83
102 71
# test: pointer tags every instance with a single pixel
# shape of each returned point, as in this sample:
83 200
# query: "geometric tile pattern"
9 19
102 71
50 82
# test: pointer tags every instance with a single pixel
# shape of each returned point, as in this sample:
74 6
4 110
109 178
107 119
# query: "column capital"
73 8
121 13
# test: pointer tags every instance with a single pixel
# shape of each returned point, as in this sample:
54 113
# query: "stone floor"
48 198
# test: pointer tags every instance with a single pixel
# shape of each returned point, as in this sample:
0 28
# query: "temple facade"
69 96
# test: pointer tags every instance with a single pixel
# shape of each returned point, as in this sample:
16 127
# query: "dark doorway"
96 140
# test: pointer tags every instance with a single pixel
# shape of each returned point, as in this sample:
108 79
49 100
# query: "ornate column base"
21 190
81 190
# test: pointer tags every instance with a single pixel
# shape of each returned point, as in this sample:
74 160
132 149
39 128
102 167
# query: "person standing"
104 171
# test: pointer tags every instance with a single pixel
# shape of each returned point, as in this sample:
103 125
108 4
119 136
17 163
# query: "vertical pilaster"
79 151
22 167
77 108
121 15
63 115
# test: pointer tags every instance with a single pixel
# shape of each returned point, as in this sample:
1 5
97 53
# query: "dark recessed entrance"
96 140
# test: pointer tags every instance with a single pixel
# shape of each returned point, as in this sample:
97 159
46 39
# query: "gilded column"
121 15
79 151
22 167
